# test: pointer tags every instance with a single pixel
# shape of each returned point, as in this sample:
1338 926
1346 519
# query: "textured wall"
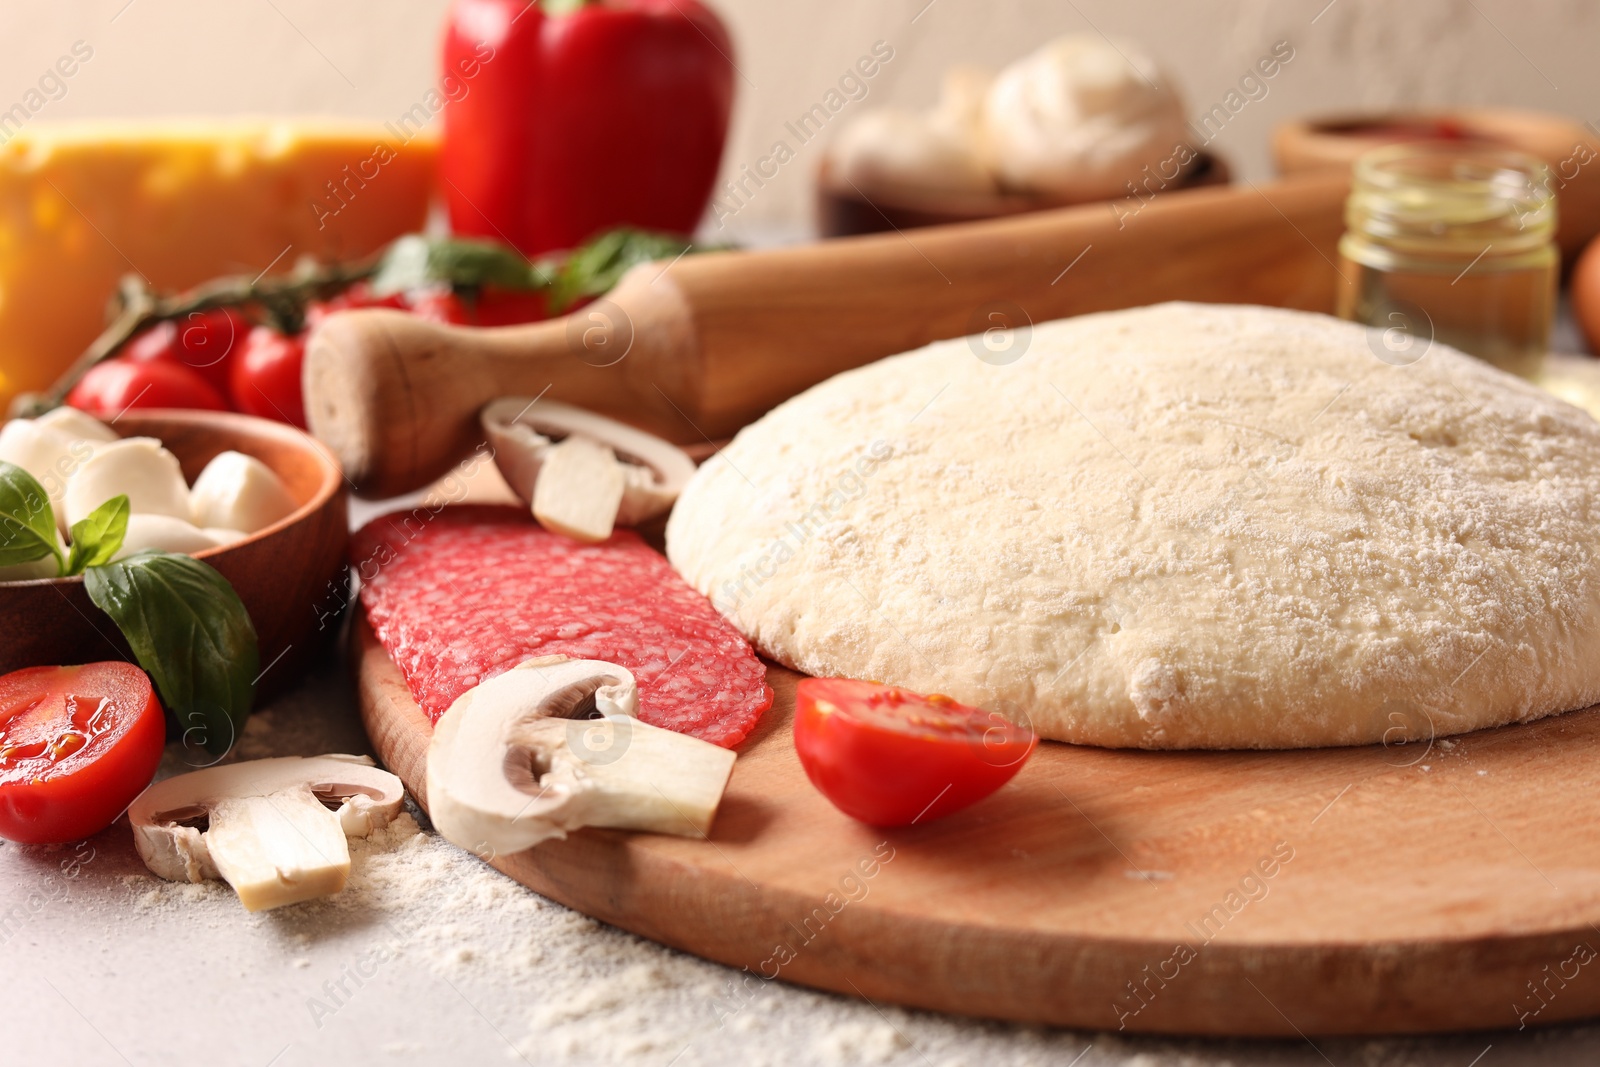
375 57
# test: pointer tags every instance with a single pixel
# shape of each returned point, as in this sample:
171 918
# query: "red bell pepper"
606 115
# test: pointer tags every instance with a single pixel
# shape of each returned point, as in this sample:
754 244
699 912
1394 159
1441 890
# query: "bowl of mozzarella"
260 501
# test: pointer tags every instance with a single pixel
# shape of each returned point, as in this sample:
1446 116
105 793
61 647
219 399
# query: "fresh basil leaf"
190 632
27 522
598 265
98 535
417 262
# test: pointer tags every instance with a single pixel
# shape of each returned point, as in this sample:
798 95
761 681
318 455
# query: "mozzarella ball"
890 150
32 447
165 533
49 455
79 425
224 536
137 466
239 492
1080 118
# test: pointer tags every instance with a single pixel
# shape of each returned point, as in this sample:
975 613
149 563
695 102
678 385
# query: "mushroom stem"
280 848
579 490
658 780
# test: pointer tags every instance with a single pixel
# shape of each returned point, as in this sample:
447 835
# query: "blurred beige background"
376 58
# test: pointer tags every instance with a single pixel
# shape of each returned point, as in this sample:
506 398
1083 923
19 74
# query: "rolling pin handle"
397 398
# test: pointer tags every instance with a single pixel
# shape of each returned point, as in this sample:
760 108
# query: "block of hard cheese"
180 202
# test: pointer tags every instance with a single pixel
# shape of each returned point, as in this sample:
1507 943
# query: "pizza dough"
1171 527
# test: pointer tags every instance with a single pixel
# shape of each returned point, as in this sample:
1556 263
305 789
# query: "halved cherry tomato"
891 757
112 387
203 342
77 744
266 376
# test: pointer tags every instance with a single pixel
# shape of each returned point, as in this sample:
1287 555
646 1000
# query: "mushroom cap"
521 429
490 789
1078 118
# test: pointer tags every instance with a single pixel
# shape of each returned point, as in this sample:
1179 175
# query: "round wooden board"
1369 890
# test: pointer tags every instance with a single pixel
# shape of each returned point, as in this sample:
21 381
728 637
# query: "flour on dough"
1171 527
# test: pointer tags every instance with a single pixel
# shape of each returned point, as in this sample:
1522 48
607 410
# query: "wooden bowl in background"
1568 147
842 210
290 575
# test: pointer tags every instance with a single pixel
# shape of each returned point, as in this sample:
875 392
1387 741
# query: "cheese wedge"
180 202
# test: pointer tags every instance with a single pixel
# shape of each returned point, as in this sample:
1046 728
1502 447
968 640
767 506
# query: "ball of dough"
1080 118
1183 526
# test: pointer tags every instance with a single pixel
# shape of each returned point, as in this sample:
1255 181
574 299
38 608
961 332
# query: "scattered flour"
593 994
863 1042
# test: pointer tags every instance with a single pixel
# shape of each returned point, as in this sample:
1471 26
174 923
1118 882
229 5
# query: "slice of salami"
460 595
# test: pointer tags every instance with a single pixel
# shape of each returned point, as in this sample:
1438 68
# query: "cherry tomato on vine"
266 376
437 305
509 307
891 757
203 341
359 295
112 387
77 744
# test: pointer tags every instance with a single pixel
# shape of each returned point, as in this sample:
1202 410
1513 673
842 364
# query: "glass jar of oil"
1454 243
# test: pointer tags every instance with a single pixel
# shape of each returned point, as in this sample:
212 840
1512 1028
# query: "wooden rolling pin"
698 348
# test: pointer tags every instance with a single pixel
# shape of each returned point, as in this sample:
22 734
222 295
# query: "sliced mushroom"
270 833
518 760
526 435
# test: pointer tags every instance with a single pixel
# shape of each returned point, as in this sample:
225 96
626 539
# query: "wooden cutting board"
1425 887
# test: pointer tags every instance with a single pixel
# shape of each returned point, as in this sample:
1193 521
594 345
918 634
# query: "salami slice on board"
460 595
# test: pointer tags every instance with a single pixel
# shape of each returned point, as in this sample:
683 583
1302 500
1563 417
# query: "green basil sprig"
98 535
28 526
27 522
418 262
189 630
187 627
598 265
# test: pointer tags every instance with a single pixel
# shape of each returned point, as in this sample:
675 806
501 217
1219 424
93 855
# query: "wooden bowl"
290 575
842 211
1569 148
